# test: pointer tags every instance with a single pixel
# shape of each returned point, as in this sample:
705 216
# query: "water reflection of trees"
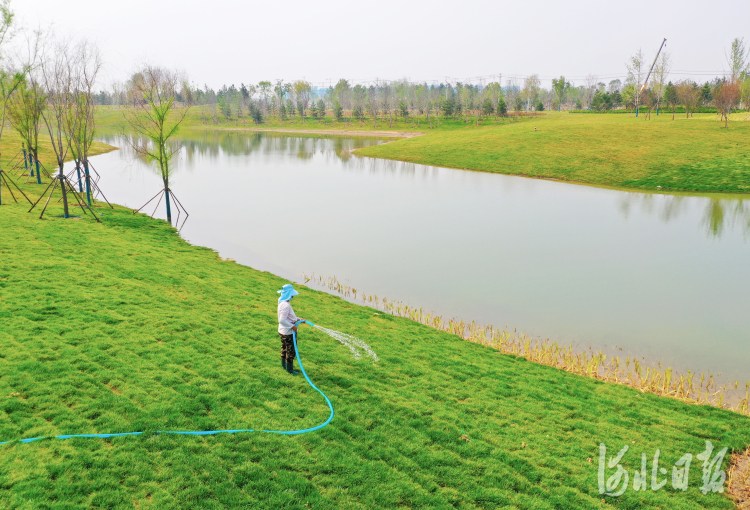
727 212
212 144
719 214
197 145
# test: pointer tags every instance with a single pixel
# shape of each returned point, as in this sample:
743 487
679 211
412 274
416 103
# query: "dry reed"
598 365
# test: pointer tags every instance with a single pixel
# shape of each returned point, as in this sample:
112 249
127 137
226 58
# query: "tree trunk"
78 174
25 161
88 181
64 193
166 198
36 161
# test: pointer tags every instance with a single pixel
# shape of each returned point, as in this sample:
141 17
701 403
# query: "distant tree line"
387 101
380 102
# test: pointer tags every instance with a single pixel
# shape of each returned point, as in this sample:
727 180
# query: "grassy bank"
684 155
123 326
607 150
11 147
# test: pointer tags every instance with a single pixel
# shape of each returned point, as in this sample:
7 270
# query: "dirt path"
387 134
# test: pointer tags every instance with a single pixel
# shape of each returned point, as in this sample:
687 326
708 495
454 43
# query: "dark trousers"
287 347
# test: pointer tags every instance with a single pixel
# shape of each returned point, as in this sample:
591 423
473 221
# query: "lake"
663 277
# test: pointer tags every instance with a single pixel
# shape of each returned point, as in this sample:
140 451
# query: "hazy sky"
231 41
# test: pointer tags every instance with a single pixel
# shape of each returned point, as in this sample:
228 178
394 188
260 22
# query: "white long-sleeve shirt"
287 318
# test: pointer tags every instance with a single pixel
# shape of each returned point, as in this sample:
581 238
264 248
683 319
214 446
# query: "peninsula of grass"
123 326
683 155
690 155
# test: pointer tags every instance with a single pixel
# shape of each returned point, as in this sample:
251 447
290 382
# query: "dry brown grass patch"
738 484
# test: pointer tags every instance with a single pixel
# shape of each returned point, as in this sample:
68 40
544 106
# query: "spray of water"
354 344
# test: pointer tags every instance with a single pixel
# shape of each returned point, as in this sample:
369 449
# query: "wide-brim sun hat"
287 292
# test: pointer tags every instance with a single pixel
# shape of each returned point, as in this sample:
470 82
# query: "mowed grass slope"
693 154
122 326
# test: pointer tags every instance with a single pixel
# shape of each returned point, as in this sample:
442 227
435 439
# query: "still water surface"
664 277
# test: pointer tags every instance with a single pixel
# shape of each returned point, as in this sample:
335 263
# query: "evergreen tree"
487 107
321 108
448 106
706 96
338 111
224 107
256 113
403 109
502 108
616 99
540 106
601 101
358 112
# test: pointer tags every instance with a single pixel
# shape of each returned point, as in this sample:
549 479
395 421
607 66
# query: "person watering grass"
287 326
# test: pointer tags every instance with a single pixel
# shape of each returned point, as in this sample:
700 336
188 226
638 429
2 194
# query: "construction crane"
654 64
650 71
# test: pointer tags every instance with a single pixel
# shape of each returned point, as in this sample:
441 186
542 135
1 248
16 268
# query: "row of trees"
385 101
388 101
47 91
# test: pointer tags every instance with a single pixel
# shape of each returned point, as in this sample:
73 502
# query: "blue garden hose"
212 432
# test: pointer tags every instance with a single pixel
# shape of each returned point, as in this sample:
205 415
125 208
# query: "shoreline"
616 160
648 191
368 134
400 135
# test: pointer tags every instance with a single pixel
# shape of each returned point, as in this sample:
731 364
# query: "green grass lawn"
122 326
681 155
621 151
